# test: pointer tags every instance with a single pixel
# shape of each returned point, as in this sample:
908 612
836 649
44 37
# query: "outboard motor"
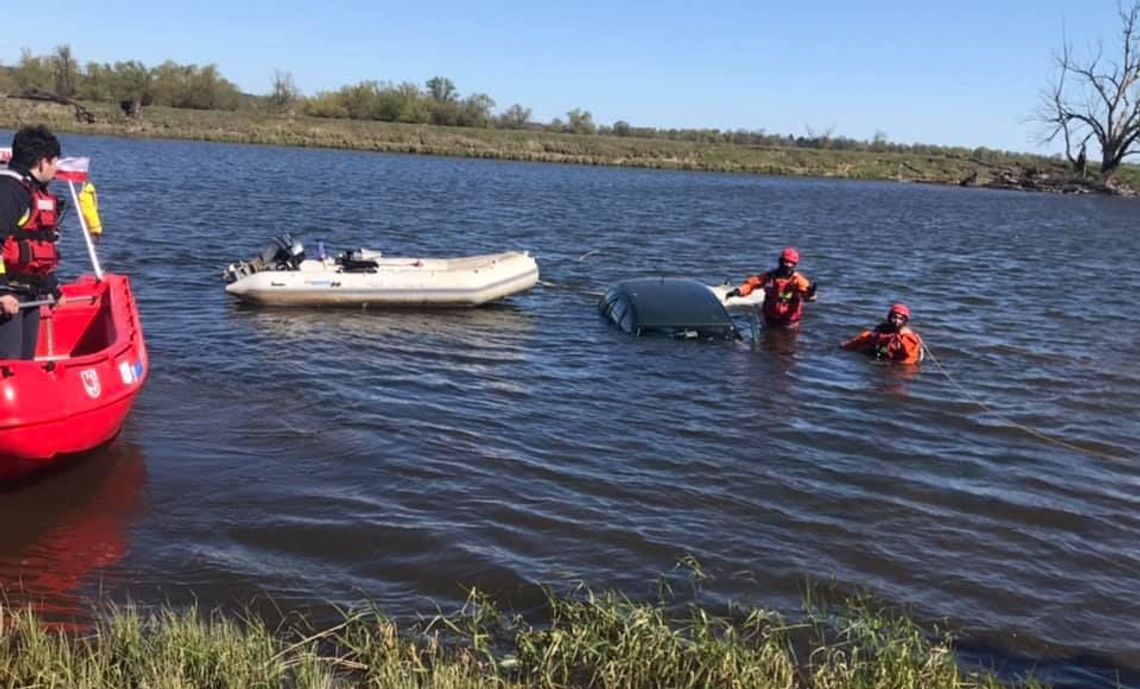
283 253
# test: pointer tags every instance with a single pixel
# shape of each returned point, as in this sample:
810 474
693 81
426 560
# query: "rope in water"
555 285
1020 426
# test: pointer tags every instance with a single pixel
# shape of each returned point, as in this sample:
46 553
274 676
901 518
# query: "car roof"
672 303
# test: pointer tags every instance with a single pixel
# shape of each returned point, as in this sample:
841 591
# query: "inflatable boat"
283 276
89 366
74 396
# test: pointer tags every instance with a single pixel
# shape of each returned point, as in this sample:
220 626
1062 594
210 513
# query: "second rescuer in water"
785 291
891 340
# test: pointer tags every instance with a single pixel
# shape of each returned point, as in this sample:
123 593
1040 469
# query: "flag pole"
86 235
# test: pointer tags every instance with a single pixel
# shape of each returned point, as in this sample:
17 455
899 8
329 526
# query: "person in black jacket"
29 224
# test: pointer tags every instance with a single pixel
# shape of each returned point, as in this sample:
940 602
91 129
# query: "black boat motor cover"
283 253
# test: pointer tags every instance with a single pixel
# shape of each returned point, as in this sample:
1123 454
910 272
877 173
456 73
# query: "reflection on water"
779 341
70 526
887 378
464 326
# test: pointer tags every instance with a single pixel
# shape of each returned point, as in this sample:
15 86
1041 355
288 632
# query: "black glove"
49 285
811 290
61 208
734 292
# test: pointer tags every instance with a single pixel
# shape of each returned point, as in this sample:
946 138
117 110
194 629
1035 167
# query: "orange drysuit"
903 346
783 296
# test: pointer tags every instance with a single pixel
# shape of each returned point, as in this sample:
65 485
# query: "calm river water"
325 457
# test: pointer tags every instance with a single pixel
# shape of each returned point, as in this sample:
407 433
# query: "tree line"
438 102
169 84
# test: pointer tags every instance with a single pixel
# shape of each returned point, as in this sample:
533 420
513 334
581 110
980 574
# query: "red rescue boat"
90 364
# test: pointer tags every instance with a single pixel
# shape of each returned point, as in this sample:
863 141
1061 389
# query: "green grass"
1129 176
536 146
590 640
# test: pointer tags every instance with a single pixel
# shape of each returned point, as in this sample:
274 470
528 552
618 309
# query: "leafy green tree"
444 113
131 81
96 83
387 105
413 105
476 111
325 104
879 143
169 84
361 100
194 87
33 72
442 90
515 117
209 90
580 121
622 128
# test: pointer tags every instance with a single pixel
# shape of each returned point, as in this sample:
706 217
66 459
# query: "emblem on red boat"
91 382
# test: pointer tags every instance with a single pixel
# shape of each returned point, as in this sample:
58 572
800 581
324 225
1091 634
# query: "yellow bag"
89 207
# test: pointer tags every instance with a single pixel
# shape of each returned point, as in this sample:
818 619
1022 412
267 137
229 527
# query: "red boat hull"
90 365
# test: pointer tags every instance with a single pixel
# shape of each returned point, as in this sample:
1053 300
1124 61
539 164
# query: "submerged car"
674 307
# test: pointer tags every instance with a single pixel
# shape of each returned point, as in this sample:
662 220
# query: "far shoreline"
995 171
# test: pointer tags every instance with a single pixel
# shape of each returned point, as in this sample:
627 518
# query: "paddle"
38 303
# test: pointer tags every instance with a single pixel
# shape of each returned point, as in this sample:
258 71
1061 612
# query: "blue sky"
954 73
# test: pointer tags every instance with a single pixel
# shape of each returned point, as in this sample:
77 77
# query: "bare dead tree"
285 92
823 139
65 71
1098 98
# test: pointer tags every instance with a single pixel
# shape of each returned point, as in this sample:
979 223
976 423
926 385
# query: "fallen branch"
82 114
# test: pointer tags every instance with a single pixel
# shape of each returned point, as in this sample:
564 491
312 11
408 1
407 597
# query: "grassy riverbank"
591 641
541 146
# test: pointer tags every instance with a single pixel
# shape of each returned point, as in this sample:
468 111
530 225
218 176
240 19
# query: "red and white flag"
73 169
69 170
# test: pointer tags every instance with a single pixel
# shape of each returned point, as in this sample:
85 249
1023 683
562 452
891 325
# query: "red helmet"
790 255
901 309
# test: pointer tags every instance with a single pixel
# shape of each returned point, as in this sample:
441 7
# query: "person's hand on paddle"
10 305
734 292
51 287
